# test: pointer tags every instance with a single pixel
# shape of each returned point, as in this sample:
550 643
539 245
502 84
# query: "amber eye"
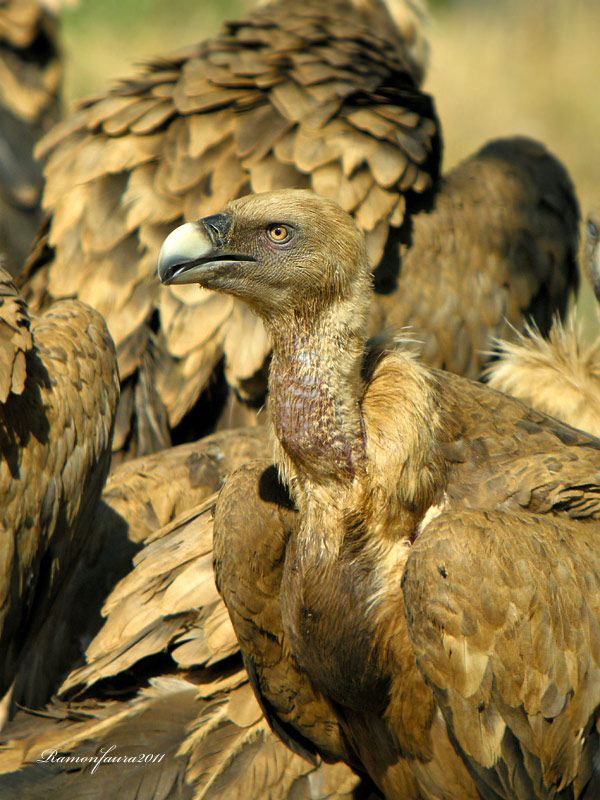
278 233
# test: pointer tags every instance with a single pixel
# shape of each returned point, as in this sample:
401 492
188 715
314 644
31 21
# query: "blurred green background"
497 67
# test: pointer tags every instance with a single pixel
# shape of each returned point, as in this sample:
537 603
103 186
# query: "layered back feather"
296 94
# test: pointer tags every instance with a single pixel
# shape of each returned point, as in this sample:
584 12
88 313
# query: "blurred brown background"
497 67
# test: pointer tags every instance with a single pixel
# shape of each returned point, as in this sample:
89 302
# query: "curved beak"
196 252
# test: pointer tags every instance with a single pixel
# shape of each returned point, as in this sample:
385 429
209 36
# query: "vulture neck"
315 392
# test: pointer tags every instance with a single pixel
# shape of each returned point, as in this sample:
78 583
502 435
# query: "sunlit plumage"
430 612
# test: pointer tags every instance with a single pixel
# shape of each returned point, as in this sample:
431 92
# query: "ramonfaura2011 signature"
101 757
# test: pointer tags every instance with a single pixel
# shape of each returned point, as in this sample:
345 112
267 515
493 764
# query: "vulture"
559 375
415 582
59 389
304 94
162 674
30 73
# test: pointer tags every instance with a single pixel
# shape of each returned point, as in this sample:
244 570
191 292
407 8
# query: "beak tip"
180 247
164 264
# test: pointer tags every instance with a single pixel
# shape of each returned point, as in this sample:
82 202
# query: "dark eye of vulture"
280 233
440 587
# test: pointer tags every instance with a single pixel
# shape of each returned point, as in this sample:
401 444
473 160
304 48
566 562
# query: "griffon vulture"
437 594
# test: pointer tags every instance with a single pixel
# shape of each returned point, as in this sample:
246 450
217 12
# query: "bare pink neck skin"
315 389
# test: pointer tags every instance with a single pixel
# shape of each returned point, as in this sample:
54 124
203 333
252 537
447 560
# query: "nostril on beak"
217 227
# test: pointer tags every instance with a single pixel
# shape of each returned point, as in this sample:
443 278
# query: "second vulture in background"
30 73
560 374
297 94
366 628
59 389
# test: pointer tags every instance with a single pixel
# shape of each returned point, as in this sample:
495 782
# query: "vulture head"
282 252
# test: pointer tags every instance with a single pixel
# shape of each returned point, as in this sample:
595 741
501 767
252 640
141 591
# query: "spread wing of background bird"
136 501
59 387
293 95
296 94
30 72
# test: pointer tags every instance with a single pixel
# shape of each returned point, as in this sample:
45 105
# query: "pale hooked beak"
196 252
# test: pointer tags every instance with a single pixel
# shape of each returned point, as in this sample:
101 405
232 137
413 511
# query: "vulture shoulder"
560 373
408 482
506 632
297 94
30 73
55 432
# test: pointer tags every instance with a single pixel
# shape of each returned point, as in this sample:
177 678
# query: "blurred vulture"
430 614
58 396
559 375
163 674
30 73
300 93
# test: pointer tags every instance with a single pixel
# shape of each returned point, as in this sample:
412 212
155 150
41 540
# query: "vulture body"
30 73
559 374
498 246
59 389
431 614
162 673
299 94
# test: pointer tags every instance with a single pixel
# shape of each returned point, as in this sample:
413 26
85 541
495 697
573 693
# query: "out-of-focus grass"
104 40
529 67
497 68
